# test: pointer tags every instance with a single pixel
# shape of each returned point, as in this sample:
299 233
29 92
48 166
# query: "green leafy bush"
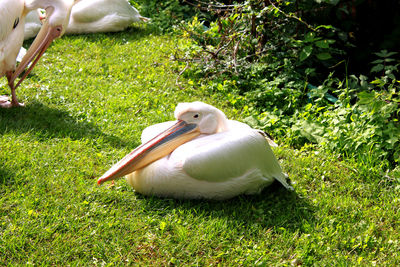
166 14
254 33
364 120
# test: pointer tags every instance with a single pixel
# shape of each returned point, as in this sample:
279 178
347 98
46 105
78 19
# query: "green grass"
87 102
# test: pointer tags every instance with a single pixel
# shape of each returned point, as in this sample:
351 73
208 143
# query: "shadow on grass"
275 207
6 176
51 123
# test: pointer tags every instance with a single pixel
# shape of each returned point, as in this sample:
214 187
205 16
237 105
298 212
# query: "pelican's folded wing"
85 11
227 155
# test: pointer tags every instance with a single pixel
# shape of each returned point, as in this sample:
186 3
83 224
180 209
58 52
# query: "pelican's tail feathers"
283 179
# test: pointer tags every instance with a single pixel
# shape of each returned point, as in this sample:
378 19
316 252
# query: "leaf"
324 56
233 17
377 68
382 53
391 76
365 98
389 60
328 27
310 37
392 140
378 82
322 44
306 52
332 2
377 61
313 131
309 71
364 81
385 53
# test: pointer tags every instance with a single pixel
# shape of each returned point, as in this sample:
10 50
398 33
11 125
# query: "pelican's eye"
16 23
196 115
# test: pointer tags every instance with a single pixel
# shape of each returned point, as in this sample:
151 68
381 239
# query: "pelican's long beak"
42 41
156 148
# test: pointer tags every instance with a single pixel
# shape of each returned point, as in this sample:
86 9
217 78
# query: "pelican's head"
208 118
193 119
57 18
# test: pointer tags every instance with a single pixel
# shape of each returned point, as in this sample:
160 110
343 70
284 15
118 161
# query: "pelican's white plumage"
12 22
225 159
11 33
102 16
90 16
32 24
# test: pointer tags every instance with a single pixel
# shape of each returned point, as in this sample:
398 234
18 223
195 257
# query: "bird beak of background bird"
156 148
43 40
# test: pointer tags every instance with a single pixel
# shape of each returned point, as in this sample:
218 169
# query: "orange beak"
156 148
43 40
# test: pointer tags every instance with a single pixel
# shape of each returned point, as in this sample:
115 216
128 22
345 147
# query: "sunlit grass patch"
86 104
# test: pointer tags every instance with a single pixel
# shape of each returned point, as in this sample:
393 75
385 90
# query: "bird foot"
5 103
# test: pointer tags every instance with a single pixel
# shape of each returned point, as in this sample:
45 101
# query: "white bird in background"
12 22
201 155
32 24
90 16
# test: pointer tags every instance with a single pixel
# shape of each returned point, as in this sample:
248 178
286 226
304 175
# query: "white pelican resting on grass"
90 16
32 24
102 16
201 155
12 21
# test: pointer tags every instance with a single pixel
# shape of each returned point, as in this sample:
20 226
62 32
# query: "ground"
87 102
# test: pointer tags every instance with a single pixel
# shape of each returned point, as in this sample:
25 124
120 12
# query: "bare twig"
214 7
179 75
293 16
235 50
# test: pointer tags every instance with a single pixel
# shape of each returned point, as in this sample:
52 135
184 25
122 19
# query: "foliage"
249 34
165 14
362 120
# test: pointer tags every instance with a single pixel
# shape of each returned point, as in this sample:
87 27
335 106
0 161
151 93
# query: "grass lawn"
87 102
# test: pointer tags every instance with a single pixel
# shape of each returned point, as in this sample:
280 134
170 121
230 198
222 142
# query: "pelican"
201 155
12 21
90 16
32 24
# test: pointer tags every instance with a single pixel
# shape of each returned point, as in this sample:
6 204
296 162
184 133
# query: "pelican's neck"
223 122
